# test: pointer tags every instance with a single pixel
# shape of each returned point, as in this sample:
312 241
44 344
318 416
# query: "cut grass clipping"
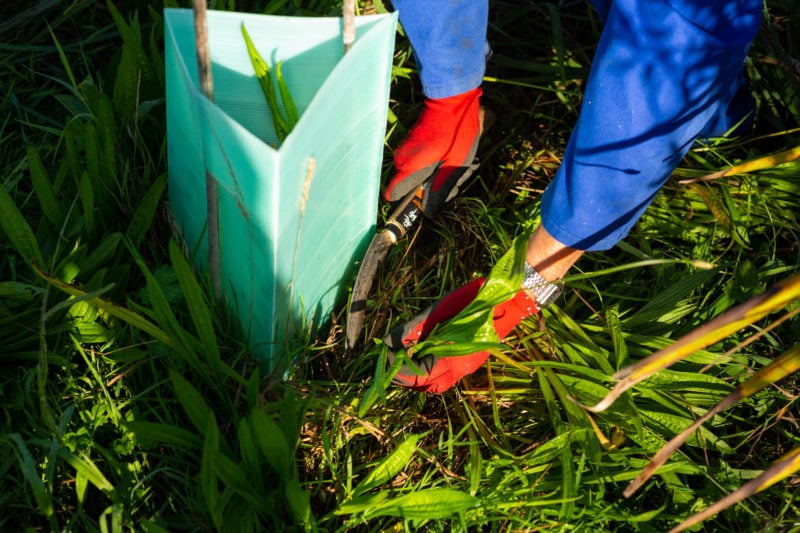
284 112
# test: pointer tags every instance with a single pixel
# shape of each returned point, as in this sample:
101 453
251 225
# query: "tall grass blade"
18 230
787 363
131 317
272 442
196 408
43 186
65 62
781 469
150 434
185 344
87 468
774 298
41 493
86 195
198 308
208 473
142 219
761 163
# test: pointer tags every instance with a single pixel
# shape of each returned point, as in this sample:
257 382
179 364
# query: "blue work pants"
664 74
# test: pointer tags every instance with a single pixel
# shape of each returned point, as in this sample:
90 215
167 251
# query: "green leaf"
299 501
264 77
457 347
272 442
152 527
548 450
674 425
665 303
578 345
84 466
390 466
135 78
131 317
17 229
233 476
193 404
43 187
81 485
381 381
152 434
181 340
472 329
198 307
362 503
686 381
86 195
208 472
28 467
103 253
292 116
18 291
248 448
235 479
427 504
142 219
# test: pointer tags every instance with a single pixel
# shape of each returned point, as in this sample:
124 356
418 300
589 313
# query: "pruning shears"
405 216
402 220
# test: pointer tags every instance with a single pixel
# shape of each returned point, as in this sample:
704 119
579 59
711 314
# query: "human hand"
441 373
439 149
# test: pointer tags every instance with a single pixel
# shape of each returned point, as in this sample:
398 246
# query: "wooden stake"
212 190
349 24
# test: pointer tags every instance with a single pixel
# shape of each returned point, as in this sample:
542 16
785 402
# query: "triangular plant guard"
293 217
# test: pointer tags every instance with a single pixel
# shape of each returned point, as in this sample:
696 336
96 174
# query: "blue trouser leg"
663 71
449 42
663 75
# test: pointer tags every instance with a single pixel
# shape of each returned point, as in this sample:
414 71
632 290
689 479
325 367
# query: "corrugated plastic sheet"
289 243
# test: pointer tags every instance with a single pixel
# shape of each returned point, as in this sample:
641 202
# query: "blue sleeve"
663 75
449 42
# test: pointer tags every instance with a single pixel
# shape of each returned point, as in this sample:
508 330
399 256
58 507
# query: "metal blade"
366 274
405 216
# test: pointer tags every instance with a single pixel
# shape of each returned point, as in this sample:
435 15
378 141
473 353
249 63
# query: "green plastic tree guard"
294 219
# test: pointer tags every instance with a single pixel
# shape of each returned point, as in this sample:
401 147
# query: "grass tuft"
130 402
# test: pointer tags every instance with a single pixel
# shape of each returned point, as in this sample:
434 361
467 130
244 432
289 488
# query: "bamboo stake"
349 24
212 191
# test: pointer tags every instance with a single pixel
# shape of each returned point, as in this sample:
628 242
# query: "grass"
129 401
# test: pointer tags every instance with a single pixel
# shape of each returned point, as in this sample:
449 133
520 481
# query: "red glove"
441 373
442 145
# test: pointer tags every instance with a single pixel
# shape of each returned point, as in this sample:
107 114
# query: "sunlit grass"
130 402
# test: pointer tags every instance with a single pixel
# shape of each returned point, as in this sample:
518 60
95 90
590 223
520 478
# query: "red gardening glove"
441 145
441 373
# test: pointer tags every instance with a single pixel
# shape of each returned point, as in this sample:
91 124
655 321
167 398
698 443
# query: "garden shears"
404 218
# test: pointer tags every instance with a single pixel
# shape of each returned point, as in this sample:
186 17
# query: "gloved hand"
441 373
442 144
